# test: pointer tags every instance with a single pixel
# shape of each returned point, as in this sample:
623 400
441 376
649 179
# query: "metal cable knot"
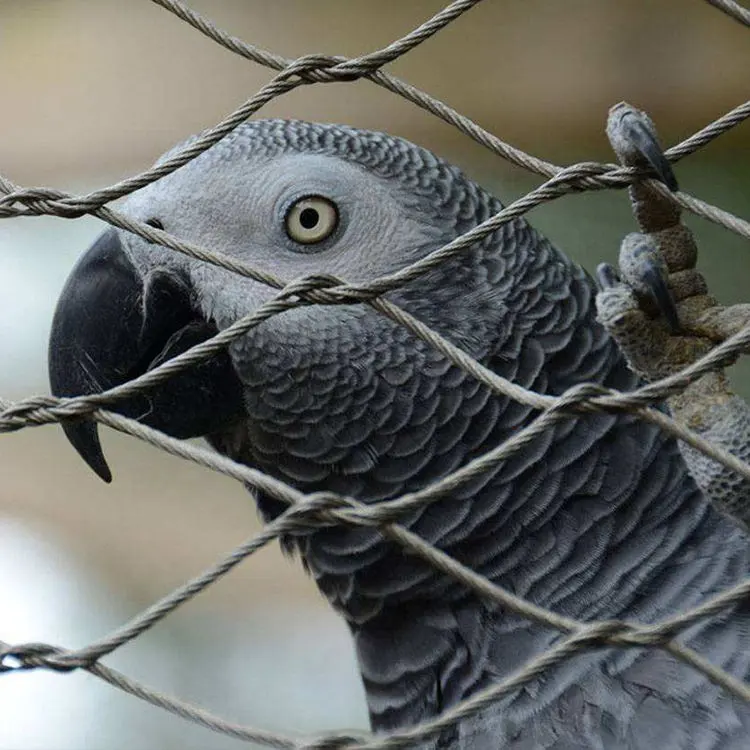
318 68
34 655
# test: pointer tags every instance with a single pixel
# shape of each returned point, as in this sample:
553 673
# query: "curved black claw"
659 291
643 140
607 276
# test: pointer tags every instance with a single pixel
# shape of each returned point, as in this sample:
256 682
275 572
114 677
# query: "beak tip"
104 473
84 437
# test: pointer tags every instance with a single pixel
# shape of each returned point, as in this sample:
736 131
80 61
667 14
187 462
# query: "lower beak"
111 325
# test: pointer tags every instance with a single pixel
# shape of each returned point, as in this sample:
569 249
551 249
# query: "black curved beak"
112 324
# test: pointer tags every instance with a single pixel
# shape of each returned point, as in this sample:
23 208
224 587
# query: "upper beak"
112 324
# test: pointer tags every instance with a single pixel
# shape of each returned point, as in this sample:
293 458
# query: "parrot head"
340 396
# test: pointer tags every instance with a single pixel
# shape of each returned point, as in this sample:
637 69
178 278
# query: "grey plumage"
600 518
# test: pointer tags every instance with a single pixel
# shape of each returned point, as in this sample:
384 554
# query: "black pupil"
309 218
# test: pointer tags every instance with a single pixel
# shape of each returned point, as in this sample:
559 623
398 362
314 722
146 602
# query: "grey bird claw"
656 283
607 276
644 270
644 140
634 132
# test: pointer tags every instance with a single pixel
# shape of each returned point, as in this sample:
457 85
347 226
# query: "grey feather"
599 518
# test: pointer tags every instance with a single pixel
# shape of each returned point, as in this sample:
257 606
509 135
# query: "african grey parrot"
599 518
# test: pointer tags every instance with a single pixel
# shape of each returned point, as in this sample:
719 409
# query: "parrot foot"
657 306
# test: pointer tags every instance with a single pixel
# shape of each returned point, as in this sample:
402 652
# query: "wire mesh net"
311 511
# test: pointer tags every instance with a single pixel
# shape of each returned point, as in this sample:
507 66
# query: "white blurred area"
94 91
49 596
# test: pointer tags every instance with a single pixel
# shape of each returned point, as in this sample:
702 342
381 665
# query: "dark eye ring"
311 220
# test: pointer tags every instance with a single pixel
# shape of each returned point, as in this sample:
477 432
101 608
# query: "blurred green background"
93 91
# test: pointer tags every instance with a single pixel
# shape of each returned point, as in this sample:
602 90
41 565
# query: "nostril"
155 223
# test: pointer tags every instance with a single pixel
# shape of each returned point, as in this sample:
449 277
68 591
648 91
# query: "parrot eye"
312 219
